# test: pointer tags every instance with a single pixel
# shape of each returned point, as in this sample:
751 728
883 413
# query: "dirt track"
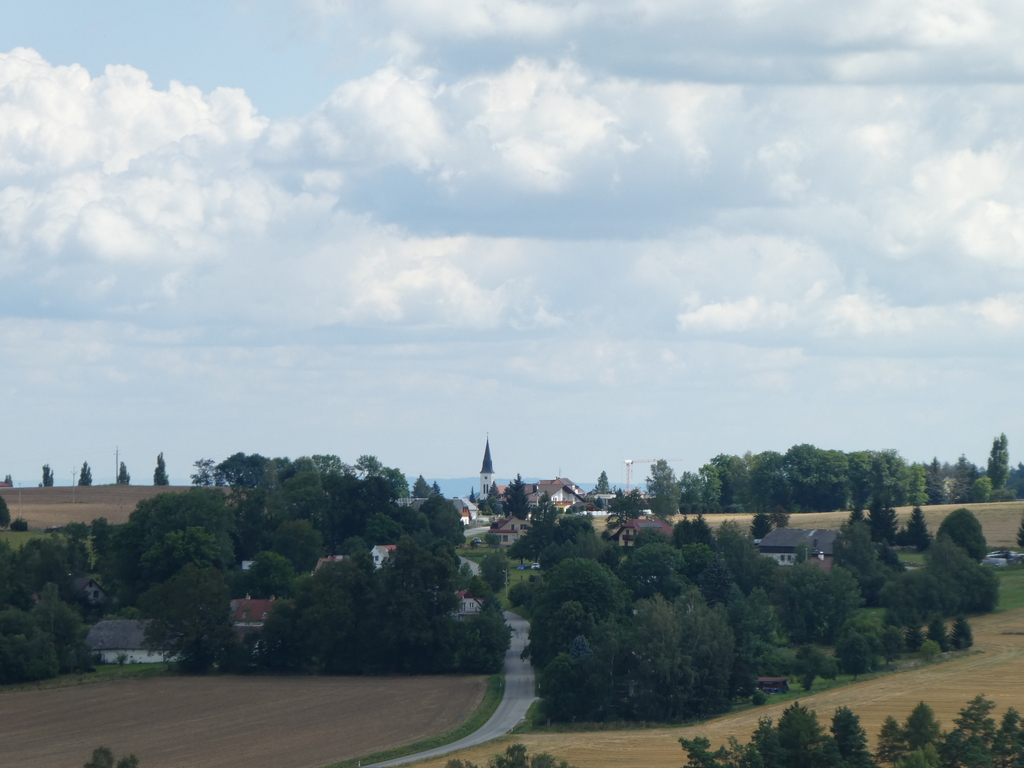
230 722
997 672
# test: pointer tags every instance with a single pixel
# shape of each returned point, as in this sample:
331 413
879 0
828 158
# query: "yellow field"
997 672
1000 522
44 507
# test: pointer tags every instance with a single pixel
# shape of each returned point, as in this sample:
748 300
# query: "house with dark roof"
122 641
93 592
508 530
785 545
627 532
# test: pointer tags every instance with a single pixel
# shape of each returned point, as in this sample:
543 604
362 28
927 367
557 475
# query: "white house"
381 553
469 605
118 641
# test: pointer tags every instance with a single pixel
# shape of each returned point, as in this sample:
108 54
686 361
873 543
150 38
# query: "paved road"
518 697
475 568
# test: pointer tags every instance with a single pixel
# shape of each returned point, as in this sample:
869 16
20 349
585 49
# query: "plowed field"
43 507
230 722
997 672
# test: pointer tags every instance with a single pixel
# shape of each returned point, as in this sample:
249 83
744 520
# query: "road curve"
519 695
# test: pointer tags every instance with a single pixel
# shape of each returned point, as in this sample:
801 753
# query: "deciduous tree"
47 476
964 530
85 475
123 478
160 473
999 462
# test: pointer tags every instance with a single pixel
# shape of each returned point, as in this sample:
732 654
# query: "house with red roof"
629 531
508 530
381 553
249 615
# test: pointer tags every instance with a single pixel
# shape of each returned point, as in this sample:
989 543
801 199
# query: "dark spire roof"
487 468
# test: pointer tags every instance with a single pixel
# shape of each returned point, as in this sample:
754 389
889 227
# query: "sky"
593 230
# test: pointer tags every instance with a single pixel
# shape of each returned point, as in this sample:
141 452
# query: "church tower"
486 472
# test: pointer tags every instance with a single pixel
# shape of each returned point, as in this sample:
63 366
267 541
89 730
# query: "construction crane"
629 467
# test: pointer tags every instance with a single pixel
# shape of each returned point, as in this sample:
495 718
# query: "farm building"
785 545
773 684
118 641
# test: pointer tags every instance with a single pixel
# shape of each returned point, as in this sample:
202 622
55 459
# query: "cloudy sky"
594 229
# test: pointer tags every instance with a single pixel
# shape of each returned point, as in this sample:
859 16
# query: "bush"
758 698
19 525
929 650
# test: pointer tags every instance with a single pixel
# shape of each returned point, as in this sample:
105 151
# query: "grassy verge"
491 700
104 673
1011 587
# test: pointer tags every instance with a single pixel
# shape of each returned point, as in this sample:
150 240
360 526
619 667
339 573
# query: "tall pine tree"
917 534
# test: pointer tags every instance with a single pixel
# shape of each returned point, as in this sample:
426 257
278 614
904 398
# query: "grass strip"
490 702
103 674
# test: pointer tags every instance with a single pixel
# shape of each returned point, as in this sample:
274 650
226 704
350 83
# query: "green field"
1011 587
17 538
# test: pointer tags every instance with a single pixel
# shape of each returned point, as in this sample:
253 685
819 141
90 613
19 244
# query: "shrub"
20 524
758 698
929 650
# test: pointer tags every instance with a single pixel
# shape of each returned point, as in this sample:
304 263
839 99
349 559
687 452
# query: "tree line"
799 740
810 479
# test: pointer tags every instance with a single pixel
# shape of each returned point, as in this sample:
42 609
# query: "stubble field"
1000 521
44 507
996 671
231 722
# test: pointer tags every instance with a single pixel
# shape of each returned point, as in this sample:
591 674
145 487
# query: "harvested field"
1000 521
231 722
996 672
44 507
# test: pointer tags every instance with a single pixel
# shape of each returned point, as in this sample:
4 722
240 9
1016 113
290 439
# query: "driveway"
519 695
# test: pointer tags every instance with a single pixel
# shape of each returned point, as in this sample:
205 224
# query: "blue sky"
595 230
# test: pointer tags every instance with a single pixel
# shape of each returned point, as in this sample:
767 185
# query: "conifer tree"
882 520
851 739
937 632
856 516
961 636
913 638
891 742
920 729
917 534
1020 533
761 525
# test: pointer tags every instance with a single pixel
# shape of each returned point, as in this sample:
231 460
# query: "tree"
85 476
858 647
921 729
971 740
981 490
851 739
160 473
812 662
961 636
5 514
892 643
420 489
964 530
516 502
602 483
203 476
913 638
761 525
494 570
123 478
189 617
664 488
937 633
917 534
803 741
999 462
882 520
103 757
47 476
1020 533
779 516
892 744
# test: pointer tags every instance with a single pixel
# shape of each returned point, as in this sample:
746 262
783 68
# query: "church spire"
486 472
487 467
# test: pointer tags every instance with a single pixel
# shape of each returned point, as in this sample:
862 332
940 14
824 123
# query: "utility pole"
117 465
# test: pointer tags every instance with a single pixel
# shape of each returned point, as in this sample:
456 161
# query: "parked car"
477 540
522 567
534 566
